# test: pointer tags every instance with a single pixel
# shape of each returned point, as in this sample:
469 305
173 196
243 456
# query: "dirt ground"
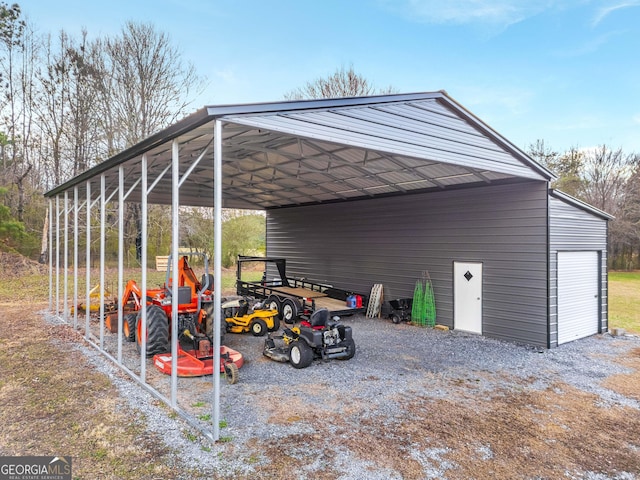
55 403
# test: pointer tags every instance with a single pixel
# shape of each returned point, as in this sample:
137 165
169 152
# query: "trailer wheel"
258 328
395 318
231 372
350 349
300 354
157 332
289 310
129 327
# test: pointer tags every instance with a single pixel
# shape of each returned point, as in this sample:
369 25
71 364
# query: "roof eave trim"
196 119
323 103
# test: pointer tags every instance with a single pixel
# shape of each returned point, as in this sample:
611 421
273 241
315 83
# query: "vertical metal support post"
143 251
103 216
217 268
120 256
65 276
87 264
50 252
57 254
143 262
175 244
75 258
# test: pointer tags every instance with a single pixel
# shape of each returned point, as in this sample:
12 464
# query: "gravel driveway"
277 413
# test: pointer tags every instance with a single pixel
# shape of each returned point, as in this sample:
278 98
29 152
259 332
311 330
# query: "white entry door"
467 294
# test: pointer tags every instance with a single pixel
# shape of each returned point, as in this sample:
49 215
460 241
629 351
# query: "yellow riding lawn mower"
242 316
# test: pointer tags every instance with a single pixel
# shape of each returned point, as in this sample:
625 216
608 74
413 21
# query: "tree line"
606 178
68 103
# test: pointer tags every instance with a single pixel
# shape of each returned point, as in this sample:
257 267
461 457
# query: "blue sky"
565 71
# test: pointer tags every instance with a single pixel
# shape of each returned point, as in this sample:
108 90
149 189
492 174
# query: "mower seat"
243 309
319 318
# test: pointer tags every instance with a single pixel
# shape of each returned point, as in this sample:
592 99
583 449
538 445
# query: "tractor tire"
209 321
289 311
129 327
231 372
351 349
157 332
258 328
300 354
272 303
276 324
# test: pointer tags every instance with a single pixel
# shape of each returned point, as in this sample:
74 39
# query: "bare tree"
624 230
52 109
543 154
83 113
605 175
566 166
143 84
342 83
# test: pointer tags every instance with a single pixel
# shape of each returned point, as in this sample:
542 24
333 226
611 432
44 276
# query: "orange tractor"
195 324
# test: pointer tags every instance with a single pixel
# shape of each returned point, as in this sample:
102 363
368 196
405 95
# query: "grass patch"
49 387
624 300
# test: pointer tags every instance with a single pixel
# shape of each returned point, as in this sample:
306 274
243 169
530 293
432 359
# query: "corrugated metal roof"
292 153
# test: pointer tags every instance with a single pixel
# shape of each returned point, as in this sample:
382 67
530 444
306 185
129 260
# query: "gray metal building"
357 191
377 190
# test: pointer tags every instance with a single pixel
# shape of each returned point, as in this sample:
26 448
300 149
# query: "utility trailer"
294 297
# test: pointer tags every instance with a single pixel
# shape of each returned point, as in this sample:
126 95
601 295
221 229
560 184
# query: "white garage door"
578 300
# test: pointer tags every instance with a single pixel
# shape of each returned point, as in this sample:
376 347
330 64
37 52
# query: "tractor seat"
319 318
206 283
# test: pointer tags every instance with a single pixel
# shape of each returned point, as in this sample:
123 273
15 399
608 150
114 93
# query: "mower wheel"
231 372
258 328
351 349
395 318
276 324
289 311
157 332
129 327
300 354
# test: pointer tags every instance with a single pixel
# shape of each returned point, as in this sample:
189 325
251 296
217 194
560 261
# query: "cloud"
501 13
605 11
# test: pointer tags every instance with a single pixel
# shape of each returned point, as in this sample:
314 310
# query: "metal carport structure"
271 155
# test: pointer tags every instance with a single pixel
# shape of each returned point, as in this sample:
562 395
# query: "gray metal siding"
573 229
353 245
